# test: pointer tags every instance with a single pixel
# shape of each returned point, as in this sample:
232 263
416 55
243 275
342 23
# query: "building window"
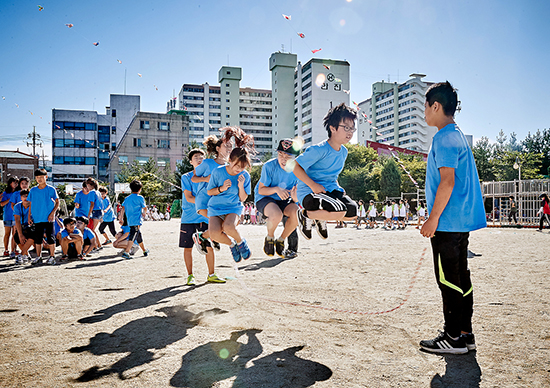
227 108
227 100
163 126
113 146
142 160
161 143
113 130
228 72
227 92
227 116
163 162
226 85
123 159
113 113
137 142
144 124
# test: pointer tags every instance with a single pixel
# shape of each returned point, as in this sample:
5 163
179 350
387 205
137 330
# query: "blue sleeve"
54 193
186 183
265 177
29 197
446 150
247 182
213 182
64 233
15 197
311 155
142 202
203 168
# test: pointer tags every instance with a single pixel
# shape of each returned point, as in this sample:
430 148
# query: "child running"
421 213
275 196
97 211
228 187
134 209
387 212
361 214
192 222
372 215
322 198
108 216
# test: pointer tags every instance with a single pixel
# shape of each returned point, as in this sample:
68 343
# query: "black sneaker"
470 341
304 224
289 254
215 245
269 246
280 247
322 229
444 344
200 243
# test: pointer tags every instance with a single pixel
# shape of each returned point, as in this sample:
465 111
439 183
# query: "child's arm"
143 211
301 175
220 189
442 196
91 210
3 203
242 193
121 216
51 217
19 229
264 190
189 197
199 179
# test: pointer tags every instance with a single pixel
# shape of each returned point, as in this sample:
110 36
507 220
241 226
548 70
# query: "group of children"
32 221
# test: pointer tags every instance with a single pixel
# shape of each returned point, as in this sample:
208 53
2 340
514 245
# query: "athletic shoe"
134 249
215 279
321 227
200 243
122 251
444 344
80 257
290 254
244 249
269 247
36 260
6 253
280 247
191 280
107 242
235 252
470 341
51 261
125 255
18 260
304 224
12 255
146 252
215 245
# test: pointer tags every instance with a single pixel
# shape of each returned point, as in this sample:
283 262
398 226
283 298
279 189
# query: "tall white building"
395 115
213 107
319 85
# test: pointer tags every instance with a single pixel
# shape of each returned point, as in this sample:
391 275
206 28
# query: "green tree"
148 174
483 155
416 166
354 182
359 156
390 180
530 166
539 143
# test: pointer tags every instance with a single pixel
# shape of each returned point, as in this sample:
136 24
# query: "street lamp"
517 166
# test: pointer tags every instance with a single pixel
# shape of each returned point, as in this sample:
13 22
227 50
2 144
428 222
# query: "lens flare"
298 143
289 166
342 22
224 353
320 79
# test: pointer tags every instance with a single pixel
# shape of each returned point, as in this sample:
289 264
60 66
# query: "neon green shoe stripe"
445 282
470 290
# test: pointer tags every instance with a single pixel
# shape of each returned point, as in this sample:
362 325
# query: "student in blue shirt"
275 196
89 239
44 203
134 209
11 188
108 216
97 210
228 187
24 237
318 168
192 222
72 240
24 184
455 204
121 238
83 205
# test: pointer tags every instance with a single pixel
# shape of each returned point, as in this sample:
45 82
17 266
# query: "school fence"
526 194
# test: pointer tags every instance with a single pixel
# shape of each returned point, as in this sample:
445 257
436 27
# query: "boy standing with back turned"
455 204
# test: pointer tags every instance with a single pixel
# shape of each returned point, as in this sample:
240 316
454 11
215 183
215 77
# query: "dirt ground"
134 323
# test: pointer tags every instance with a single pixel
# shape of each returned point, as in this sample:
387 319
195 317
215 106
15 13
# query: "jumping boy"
134 209
455 204
44 202
318 168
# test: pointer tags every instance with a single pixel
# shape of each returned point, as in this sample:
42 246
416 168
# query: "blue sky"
495 52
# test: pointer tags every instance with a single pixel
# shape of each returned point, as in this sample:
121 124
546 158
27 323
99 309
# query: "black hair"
24 178
40 172
335 116
135 186
84 185
69 220
240 155
83 219
92 182
195 151
24 192
11 179
103 189
445 94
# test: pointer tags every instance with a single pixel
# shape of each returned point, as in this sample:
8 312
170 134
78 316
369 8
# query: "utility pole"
43 160
35 140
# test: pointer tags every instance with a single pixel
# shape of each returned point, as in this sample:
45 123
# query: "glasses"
347 129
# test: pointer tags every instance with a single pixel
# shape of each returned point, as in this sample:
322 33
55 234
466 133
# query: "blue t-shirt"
8 211
96 199
464 211
109 215
15 198
19 210
88 233
84 201
274 175
189 214
125 229
228 201
133 205
322 164
65 232
42 202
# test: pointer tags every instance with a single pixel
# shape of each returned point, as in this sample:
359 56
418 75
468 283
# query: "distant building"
83 140
161 136
17 163
319 85
395 115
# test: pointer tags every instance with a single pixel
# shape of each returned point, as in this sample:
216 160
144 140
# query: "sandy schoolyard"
110 322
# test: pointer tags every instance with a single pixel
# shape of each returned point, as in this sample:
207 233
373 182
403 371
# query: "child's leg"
25 248
78 245
324 215
7 233
230 227
215 229
188 259
292 220
210 260
274 216
95 224
64 246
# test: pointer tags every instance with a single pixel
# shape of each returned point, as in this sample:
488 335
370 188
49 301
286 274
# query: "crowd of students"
396 216
32 222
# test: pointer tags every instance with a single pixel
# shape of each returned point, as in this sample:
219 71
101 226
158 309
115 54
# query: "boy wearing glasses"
318 168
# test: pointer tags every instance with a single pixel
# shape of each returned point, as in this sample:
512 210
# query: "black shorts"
27 232
401 218
43 230
135 235
186 233
373 219
71 251
87 242
110 224
282 203
334 201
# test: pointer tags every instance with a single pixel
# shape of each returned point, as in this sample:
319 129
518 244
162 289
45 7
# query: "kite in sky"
3 98
96 43
139 74
31 113
40 8
17 105
69 25
119 61
156 87
316 50
287 17
301 35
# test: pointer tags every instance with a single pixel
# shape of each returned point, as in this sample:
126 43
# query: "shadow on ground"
137 338
210 363
462 371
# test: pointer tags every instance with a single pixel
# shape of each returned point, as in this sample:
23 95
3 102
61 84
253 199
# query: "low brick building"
17 163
